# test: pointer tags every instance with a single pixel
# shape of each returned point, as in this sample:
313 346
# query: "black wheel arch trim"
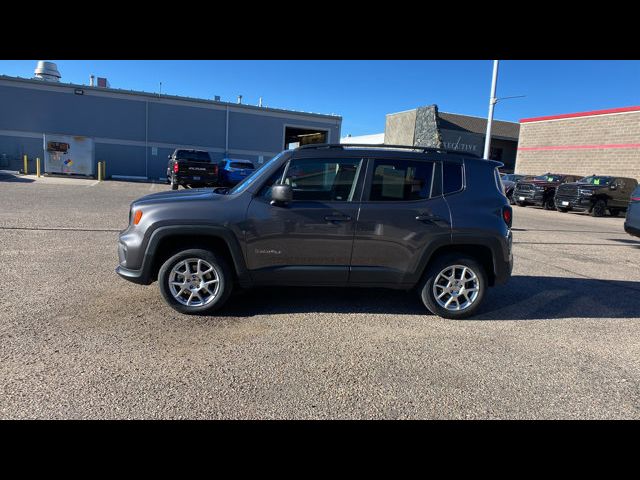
159 232
502 267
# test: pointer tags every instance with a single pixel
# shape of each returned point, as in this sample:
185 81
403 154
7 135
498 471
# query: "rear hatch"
196 164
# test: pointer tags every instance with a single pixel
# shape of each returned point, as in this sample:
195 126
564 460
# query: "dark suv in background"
632 220
191 168
596 194
330 215
509 181
540 190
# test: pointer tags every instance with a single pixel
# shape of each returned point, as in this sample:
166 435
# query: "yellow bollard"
99 171
104 170
38 167
26 166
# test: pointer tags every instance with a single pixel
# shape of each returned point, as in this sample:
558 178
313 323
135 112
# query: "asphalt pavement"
560 341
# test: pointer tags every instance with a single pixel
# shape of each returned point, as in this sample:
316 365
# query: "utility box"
68 154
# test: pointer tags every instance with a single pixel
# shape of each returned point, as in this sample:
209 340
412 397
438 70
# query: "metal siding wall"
186 125
122 159
38 111
265 133
55 112
16 147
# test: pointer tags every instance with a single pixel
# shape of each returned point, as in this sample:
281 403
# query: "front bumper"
135 276
534 197
573 203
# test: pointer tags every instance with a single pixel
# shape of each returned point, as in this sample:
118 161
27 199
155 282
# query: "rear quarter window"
452 177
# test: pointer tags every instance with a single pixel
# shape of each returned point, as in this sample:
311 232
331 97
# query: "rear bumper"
632 229
197 180
503 267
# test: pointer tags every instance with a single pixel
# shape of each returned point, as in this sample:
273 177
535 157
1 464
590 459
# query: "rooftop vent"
47 71
217 98
239 99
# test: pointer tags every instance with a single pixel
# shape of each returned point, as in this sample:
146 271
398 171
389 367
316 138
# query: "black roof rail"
343 146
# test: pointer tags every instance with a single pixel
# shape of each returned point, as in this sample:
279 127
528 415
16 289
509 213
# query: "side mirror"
281 194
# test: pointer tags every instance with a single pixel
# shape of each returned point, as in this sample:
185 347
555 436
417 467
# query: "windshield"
244 184
549 178
594 180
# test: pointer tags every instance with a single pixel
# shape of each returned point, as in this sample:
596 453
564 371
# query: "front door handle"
337 218
432 219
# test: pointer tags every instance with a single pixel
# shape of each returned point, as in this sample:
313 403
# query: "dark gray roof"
499 128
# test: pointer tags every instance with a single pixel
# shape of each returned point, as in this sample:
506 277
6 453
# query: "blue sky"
363 92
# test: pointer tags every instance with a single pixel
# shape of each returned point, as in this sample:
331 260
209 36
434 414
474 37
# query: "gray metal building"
134 132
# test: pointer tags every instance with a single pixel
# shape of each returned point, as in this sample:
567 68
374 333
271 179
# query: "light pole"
492 101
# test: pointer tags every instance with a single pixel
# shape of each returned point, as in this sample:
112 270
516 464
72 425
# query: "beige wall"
621 128
400 128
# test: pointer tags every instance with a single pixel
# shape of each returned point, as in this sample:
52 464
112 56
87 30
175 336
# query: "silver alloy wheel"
456 287
194 282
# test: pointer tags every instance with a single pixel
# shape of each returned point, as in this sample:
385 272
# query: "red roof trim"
582 114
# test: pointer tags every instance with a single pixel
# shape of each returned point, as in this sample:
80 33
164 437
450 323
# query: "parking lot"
561 340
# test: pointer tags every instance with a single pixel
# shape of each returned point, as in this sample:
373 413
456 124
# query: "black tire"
427 290
614 212
221 269
599 209
549 204
174 184
563 210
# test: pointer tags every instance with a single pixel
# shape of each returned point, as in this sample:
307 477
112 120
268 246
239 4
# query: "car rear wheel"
195 281
454 287
599 209
174 184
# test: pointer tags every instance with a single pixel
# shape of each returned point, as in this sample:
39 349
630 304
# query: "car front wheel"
599 209
195 281
454 287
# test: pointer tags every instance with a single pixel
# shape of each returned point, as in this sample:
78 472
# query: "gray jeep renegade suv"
330 215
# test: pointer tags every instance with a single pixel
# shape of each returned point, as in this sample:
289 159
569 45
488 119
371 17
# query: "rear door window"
401 180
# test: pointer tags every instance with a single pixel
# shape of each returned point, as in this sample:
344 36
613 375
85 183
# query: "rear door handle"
337 218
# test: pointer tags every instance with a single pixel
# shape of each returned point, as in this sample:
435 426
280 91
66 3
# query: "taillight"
635 199
175 168
215 169
507 215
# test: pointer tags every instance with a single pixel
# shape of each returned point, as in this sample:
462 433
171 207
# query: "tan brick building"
601 142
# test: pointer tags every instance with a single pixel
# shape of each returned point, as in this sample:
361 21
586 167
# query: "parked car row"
595 194
195 168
